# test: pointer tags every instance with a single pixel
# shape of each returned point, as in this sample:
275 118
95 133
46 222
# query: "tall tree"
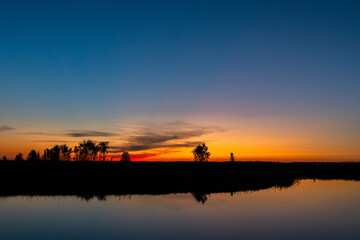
83 151
65 153
47 155
201 153
55 153
77 153
103 148
88 150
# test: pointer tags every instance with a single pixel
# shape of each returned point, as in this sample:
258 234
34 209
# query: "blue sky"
96 65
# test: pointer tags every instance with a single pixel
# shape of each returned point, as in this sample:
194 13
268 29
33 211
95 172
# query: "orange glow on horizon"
249 140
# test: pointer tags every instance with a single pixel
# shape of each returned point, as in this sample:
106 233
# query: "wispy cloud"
6 128
146 138
146 154
39 133
75 133
170 135
139 146
52 141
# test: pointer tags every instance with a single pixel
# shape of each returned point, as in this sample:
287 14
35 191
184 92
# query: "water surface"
307 210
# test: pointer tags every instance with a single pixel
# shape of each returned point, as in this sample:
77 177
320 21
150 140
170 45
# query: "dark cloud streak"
163 136
149 136
5 128
141 147
52 141
74 133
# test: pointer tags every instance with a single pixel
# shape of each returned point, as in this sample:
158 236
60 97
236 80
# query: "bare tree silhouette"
201 153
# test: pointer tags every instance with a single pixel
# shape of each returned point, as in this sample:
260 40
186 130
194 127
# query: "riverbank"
121 178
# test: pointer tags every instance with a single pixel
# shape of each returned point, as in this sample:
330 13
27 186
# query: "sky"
266 80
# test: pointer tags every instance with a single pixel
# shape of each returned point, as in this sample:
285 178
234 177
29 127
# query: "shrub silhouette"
33 156
4 158
201 153
19 157
125 157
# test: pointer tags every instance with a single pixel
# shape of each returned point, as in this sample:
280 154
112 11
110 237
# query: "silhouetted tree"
65 153
88 150
94 150
83 151
33 156
125 157
201 153
103 148
231 157
19 157
4 158
77 153
47 155
55 153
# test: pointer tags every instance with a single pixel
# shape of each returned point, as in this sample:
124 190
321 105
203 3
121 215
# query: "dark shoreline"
87 179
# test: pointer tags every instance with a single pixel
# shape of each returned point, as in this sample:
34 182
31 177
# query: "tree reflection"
200 197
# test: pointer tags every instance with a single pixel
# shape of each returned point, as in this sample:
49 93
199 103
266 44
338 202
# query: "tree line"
85 151
92 151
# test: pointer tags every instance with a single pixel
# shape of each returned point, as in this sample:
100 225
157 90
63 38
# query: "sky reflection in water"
308 210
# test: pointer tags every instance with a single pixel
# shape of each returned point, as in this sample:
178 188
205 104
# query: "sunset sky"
275 81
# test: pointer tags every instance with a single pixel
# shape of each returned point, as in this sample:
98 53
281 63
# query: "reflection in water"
200 197
311 210
90 197
200 194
